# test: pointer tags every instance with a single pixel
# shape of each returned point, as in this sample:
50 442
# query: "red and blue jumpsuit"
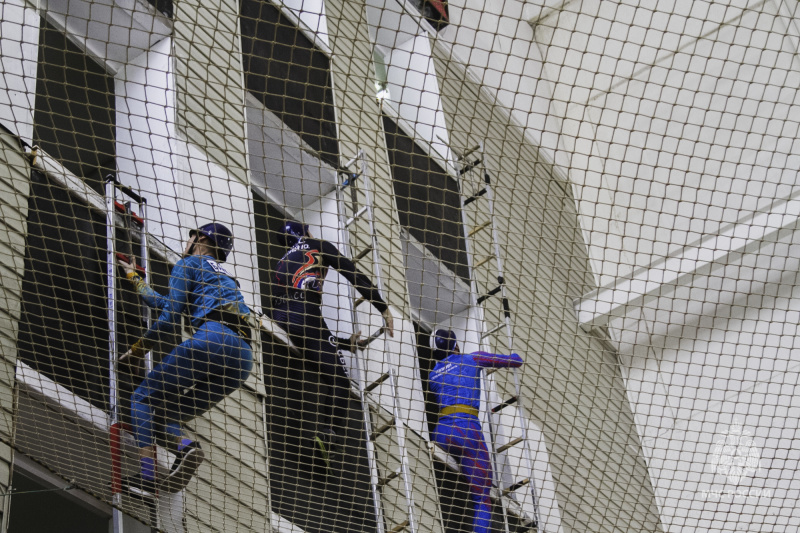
297 299
456 382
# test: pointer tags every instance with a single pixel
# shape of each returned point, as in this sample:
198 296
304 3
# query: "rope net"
424 266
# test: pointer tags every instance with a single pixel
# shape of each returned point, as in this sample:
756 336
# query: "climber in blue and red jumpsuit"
199 372
297 299
456 381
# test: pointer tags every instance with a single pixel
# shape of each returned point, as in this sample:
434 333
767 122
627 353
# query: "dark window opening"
434 11
338 500
289 75
428 200
41 507
165 7
64 321
75 113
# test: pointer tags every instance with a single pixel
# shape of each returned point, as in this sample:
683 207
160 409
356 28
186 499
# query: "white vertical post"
480 165
401 444
145 255
361 370
113 386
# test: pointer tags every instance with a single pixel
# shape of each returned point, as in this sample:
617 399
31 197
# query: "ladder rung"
375 335
124 188
510 444
351 179
350 162
475 196
479 228
496 328
381 430
490 294
377 383
388 478
483 261
505 404
469 152
400 527
359 301
515 486
362 254
356 216
469 167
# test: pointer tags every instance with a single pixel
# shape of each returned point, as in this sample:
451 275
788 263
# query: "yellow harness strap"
458 408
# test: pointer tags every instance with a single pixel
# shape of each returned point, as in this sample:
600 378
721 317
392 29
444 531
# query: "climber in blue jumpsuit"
297 298
199 372
456 381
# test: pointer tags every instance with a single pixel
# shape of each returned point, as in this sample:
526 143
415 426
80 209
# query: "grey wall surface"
14 188
572 385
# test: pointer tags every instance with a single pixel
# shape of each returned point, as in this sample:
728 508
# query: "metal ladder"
116 427
473 160
372 409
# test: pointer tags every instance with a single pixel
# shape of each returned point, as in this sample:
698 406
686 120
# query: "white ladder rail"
489 420
486 192
364 389
359 368
401 443
521 415
111 186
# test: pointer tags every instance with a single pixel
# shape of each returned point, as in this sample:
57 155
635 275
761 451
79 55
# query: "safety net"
399 266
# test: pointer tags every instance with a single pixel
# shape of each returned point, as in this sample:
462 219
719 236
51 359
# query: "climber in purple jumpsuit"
297 299
456 381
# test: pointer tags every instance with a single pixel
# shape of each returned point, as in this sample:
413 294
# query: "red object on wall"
122 209
441 7
139 268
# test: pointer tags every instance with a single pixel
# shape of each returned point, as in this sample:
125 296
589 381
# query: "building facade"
249 113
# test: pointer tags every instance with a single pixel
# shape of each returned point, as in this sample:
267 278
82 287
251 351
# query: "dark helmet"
293 231
220 235
444 343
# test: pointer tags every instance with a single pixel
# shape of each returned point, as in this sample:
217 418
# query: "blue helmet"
293 231
444 343
220 235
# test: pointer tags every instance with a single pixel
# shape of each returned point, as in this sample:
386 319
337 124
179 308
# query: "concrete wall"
14 189
210 88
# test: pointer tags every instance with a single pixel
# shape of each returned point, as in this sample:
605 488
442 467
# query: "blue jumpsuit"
201 371
297 300
456 382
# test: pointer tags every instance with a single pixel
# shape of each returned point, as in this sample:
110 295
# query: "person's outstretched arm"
494 360
174 304
150 296
331 257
